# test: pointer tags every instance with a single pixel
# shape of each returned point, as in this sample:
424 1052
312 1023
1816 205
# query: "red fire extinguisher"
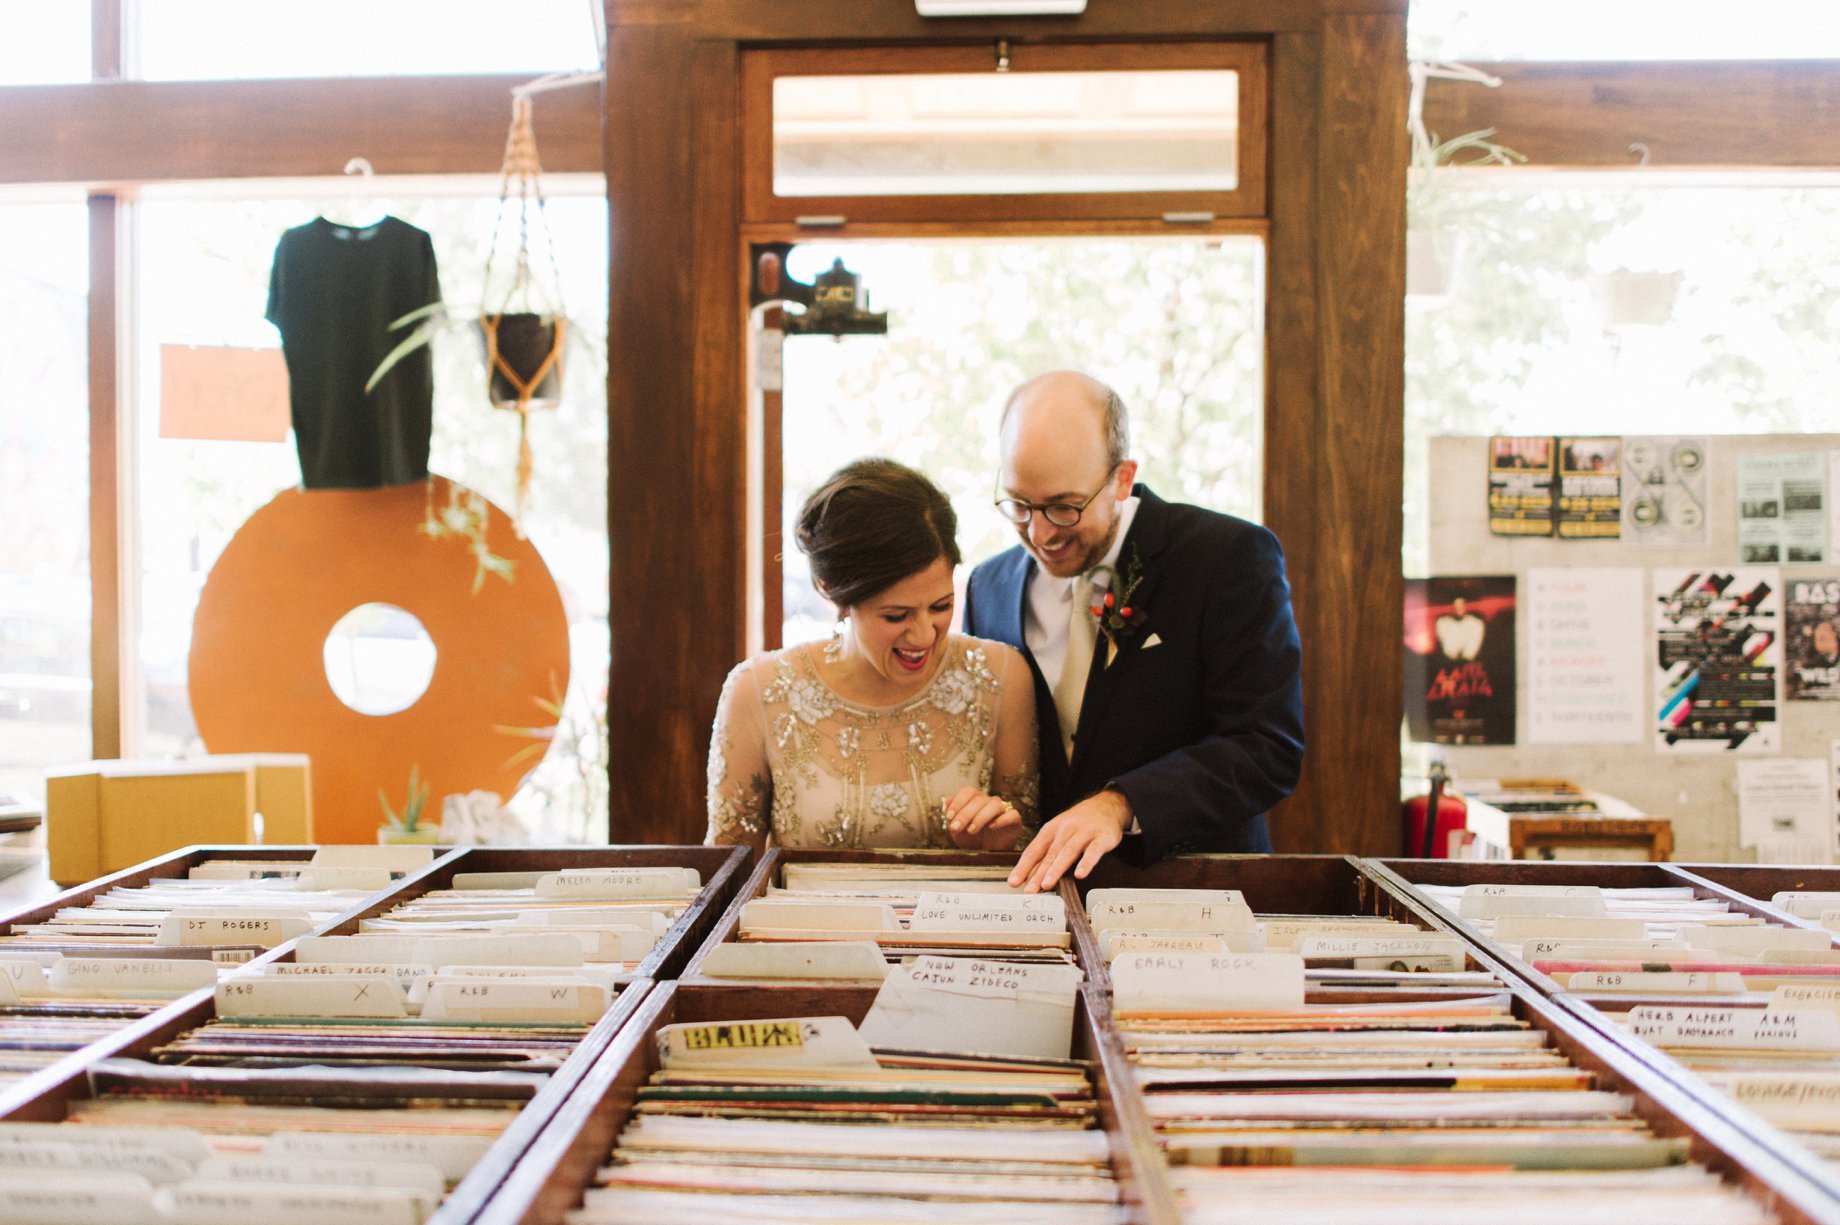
1427 821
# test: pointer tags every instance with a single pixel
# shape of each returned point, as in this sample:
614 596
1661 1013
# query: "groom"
1165 657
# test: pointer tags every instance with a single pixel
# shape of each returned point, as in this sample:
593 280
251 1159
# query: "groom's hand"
1083 833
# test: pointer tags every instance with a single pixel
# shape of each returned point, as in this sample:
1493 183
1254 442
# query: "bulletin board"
1688 769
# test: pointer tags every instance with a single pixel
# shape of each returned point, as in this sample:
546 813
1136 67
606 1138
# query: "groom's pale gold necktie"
1082 635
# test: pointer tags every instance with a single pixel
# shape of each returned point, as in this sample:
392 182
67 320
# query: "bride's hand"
980 822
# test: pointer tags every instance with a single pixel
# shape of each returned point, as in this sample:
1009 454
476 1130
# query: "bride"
897 733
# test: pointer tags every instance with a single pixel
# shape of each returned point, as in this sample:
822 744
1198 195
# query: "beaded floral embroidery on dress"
845 775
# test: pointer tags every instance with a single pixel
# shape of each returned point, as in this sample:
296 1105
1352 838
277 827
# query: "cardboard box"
102 816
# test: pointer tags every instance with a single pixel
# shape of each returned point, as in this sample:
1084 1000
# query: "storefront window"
203 280
44 508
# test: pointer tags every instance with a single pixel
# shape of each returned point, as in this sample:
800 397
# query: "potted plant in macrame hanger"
521 319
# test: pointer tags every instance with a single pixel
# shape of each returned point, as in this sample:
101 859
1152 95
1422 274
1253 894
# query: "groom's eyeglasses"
1060 514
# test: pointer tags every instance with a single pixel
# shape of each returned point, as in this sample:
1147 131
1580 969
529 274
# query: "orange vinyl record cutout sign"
258 672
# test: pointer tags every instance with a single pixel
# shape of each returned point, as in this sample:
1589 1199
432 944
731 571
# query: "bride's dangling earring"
833 650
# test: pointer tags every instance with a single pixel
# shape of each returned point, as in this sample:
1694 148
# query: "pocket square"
1151 641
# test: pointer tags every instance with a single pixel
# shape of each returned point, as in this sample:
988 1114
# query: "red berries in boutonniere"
1120 620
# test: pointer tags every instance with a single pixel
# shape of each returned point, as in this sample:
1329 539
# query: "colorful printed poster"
1782 508
1718 654
1586 683
1521 486
1459 654
1811 640
1590 488
1664 490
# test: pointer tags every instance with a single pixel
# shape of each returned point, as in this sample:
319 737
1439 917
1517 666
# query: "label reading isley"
743 1034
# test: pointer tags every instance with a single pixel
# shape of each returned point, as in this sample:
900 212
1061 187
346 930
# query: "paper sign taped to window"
223 393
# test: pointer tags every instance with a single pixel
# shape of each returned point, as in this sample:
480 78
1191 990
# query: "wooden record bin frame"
468 1197
177 864
46 1093
1407 873
1727 883
721 867
551 1178
768 873
1287 884
1759 882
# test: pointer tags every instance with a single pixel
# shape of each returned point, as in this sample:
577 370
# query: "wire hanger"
361 209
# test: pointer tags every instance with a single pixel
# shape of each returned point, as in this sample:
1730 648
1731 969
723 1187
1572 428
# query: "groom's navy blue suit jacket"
1198 720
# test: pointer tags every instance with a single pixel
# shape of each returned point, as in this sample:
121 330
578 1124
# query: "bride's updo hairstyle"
871 524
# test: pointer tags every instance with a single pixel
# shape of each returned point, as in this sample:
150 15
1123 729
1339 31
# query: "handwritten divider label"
367 880
1417 952
311 996
1171 916
1282 935
439 951
1146 982
1681 982
517 1001
154 975
1114 943
9 994
805 1042
1806 904
338 950
1552 948
1511 929
1737 1028
1566 950
1494 901
25 975
452 1155
1794 997
97 1199
828 959
413 1176
1208 897
1802 1100
616 883
764 913
405 976
1755 939
45 1148
975 1005
983 912
202 1203
264 930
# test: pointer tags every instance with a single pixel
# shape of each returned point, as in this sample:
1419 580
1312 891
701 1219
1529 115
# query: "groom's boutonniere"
1119 618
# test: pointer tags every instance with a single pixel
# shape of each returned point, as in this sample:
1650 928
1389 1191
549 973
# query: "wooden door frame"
677 385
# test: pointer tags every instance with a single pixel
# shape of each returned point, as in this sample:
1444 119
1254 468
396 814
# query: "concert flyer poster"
1521 486
1811 640
1460 659
1719 655
1590 488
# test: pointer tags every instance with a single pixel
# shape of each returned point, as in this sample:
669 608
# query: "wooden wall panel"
1782 113
1293 418
135 131
675 419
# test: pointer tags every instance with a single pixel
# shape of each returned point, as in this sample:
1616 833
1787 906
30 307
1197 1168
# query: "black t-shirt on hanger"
333 293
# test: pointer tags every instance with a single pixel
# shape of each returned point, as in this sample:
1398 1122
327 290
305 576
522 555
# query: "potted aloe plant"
407 827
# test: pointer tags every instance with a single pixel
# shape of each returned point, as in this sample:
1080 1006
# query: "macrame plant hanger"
525 328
